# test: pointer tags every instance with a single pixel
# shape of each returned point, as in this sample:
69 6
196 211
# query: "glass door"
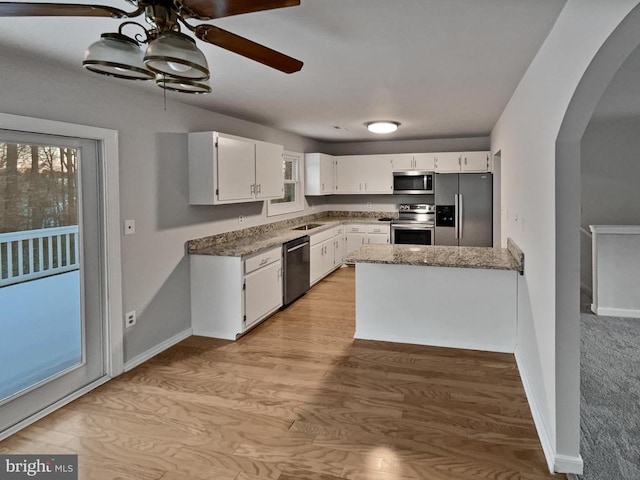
51 322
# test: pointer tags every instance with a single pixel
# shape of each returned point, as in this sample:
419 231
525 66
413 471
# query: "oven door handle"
411 227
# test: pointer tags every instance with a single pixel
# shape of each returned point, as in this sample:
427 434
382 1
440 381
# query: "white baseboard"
569 465
615 312
500 348
556 462
52 408
161 347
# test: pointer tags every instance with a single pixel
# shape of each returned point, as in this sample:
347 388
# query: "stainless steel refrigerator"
464 209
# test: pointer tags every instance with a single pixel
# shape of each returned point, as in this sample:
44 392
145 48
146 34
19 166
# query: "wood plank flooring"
299 399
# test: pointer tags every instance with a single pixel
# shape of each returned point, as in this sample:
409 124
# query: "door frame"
110 209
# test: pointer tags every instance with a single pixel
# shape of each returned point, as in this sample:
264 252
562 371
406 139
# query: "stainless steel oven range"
415 224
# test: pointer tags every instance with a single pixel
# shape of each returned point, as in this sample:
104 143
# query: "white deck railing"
32 254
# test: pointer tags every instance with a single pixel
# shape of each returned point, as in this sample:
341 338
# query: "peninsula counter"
461 297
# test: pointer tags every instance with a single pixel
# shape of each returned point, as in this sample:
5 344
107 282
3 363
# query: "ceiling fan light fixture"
117 55
183 85
174 54
382 127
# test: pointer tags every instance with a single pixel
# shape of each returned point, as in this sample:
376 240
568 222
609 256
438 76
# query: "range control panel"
445 215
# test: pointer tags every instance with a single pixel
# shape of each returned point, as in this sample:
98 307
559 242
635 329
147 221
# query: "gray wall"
153 180
610 172
408 146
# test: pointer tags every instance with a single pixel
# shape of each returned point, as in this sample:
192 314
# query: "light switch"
129 227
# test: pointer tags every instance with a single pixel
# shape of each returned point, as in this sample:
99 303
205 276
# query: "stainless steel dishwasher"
296 261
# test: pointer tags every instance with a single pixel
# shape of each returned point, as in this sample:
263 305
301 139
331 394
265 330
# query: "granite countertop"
249 241
437 256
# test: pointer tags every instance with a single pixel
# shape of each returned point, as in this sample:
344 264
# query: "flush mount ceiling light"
382 126
171 57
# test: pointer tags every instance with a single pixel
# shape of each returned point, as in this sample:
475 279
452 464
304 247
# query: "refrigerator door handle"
455 215
460 213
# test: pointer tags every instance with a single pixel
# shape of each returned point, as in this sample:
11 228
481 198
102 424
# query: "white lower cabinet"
229 295
359 234
327 252
262 292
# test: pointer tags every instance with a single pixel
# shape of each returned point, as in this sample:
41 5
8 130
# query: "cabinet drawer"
382 228
357 228
262 259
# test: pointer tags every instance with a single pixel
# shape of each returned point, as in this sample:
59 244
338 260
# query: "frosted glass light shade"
382 127
175 54
117 55
183 85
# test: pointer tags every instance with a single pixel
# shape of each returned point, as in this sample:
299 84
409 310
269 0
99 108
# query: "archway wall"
526 135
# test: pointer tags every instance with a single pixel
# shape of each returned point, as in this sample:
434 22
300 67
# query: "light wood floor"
299 399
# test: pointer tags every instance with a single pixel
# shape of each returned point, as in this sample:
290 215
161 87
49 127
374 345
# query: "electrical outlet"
369 205
129 227
241 219
130 319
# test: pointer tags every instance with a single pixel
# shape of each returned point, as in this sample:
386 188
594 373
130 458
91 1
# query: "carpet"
610 397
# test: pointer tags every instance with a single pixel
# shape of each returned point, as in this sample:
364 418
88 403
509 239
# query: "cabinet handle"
365 186
465 160
259 188
360 186
253 189
323 186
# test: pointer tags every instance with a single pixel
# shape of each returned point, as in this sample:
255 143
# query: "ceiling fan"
171 57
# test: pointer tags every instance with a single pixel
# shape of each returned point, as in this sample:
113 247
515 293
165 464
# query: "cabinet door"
340 250
316 268
424 161
236 169
402 162
327 174
448 162
378 238
378 174
355 241
263 292
269 171
328 258
349 175
475 162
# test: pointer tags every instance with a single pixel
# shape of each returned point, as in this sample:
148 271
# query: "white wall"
153 180
609 178
526 135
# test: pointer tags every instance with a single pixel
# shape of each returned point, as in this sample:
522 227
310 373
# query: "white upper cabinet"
417 161
236 169
447 162
378 175
373 174
362 174
424 161
402 162
349 174
269 171
319 174
461 162
474 162
230 169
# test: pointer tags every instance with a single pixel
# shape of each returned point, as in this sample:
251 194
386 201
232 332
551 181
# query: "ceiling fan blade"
242 46
21 9
210 9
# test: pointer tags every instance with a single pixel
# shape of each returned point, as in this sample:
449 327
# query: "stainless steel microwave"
413 182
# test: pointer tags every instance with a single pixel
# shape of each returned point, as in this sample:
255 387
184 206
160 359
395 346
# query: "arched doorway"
607 61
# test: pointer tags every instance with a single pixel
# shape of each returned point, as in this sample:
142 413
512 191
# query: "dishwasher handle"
297 247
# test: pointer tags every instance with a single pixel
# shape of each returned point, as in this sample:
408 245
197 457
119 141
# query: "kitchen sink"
308 226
